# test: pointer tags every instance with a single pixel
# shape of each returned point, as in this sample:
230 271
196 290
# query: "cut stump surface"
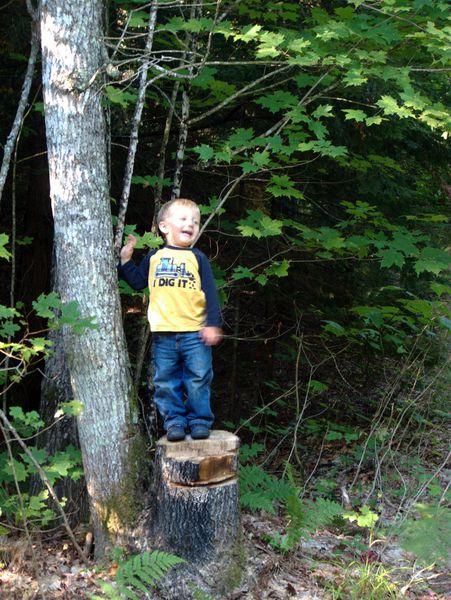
197 514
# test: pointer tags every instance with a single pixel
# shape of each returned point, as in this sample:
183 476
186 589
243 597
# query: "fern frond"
255 500
428 537
320 512
144 570
260 490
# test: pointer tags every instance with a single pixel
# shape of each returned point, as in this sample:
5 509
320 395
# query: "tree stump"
196 514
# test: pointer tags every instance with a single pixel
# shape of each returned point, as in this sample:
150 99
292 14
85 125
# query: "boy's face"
181 226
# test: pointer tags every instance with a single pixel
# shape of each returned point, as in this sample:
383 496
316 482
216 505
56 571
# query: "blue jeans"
182 378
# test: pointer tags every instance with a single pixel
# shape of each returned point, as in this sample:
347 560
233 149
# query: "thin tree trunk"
72 53
11 141
164 145
192 43
183 136
135 127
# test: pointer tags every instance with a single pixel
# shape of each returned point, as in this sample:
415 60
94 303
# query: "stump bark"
196 514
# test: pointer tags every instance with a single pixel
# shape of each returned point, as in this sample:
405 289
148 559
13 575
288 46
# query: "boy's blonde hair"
165 210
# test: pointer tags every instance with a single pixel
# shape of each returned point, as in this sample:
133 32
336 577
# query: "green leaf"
241 138
151 180
205 78
354 77
41 345
390 107
198 25
207 209
268 46
318 129
60 465
16 470
205 152
148 567
261 159
354 115
278 269
405 242
277 101
282 185
73 408
304 80
174 25
391 257
248 33
440 289
39 107
365 518
324 148
330 239
6 312
242 273
432 260
376 120
46 304
317 386
332 436
148 240
8 329
24 241
138 19
334 328
418 307
118 96
428 218
4 253
25 422
324 110
299 45
70 315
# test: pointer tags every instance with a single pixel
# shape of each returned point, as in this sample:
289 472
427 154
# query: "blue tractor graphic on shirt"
168 268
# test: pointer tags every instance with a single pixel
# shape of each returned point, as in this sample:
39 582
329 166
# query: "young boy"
184 318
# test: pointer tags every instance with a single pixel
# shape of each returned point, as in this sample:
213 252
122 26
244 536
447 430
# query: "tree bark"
196 514
56 388
72 53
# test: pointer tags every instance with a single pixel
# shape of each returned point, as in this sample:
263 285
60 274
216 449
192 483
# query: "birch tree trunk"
72 57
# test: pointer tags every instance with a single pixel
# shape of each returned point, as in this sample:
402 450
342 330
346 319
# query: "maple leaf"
282 185
391 257
278 101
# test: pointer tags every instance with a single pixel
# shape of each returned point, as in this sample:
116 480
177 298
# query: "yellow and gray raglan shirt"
182 291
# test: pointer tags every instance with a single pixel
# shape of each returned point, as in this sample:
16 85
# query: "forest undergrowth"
350 500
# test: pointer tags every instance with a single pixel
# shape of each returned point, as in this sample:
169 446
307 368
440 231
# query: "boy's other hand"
127 250
211 335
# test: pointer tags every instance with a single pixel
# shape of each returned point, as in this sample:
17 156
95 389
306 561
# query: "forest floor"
323 566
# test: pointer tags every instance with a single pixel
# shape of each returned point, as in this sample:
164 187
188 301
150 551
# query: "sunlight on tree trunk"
72 59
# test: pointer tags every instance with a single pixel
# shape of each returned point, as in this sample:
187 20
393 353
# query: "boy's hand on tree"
211 335
127 250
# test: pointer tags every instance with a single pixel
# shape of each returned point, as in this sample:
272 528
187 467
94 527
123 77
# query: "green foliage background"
317 147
